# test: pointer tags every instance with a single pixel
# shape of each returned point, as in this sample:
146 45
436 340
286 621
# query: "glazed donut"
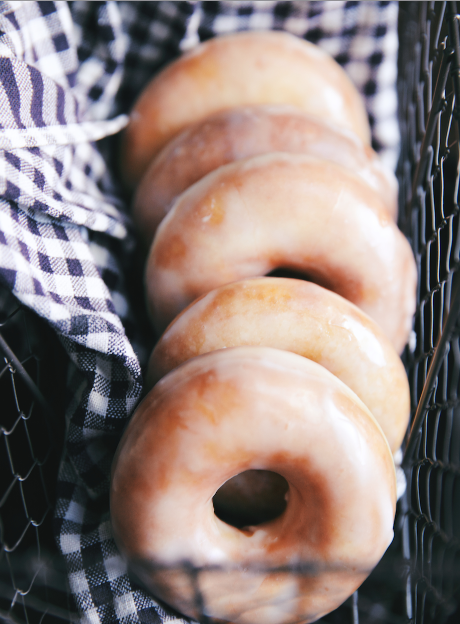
234 70
288 211
253 408
301 317
244 132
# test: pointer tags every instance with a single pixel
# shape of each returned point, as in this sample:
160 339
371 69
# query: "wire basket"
430 521
418 579
32 578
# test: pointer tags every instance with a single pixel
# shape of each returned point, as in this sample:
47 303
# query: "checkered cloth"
69 73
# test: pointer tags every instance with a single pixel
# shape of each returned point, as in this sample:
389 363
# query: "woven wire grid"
429 176
32 584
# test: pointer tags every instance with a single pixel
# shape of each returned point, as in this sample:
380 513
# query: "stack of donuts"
262 456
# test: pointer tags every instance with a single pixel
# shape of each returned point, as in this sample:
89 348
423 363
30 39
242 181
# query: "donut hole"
251 498
338 281
281 272
320 280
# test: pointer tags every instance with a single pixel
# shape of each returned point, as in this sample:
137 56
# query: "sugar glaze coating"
264 67
244 132
301 317
245 408
289 211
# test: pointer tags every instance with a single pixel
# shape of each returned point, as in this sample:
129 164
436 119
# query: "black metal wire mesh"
32 586
430 97
418 580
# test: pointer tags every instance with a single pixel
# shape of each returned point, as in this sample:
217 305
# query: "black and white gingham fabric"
69 74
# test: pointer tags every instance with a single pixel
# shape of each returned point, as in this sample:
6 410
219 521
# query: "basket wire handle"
430 384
